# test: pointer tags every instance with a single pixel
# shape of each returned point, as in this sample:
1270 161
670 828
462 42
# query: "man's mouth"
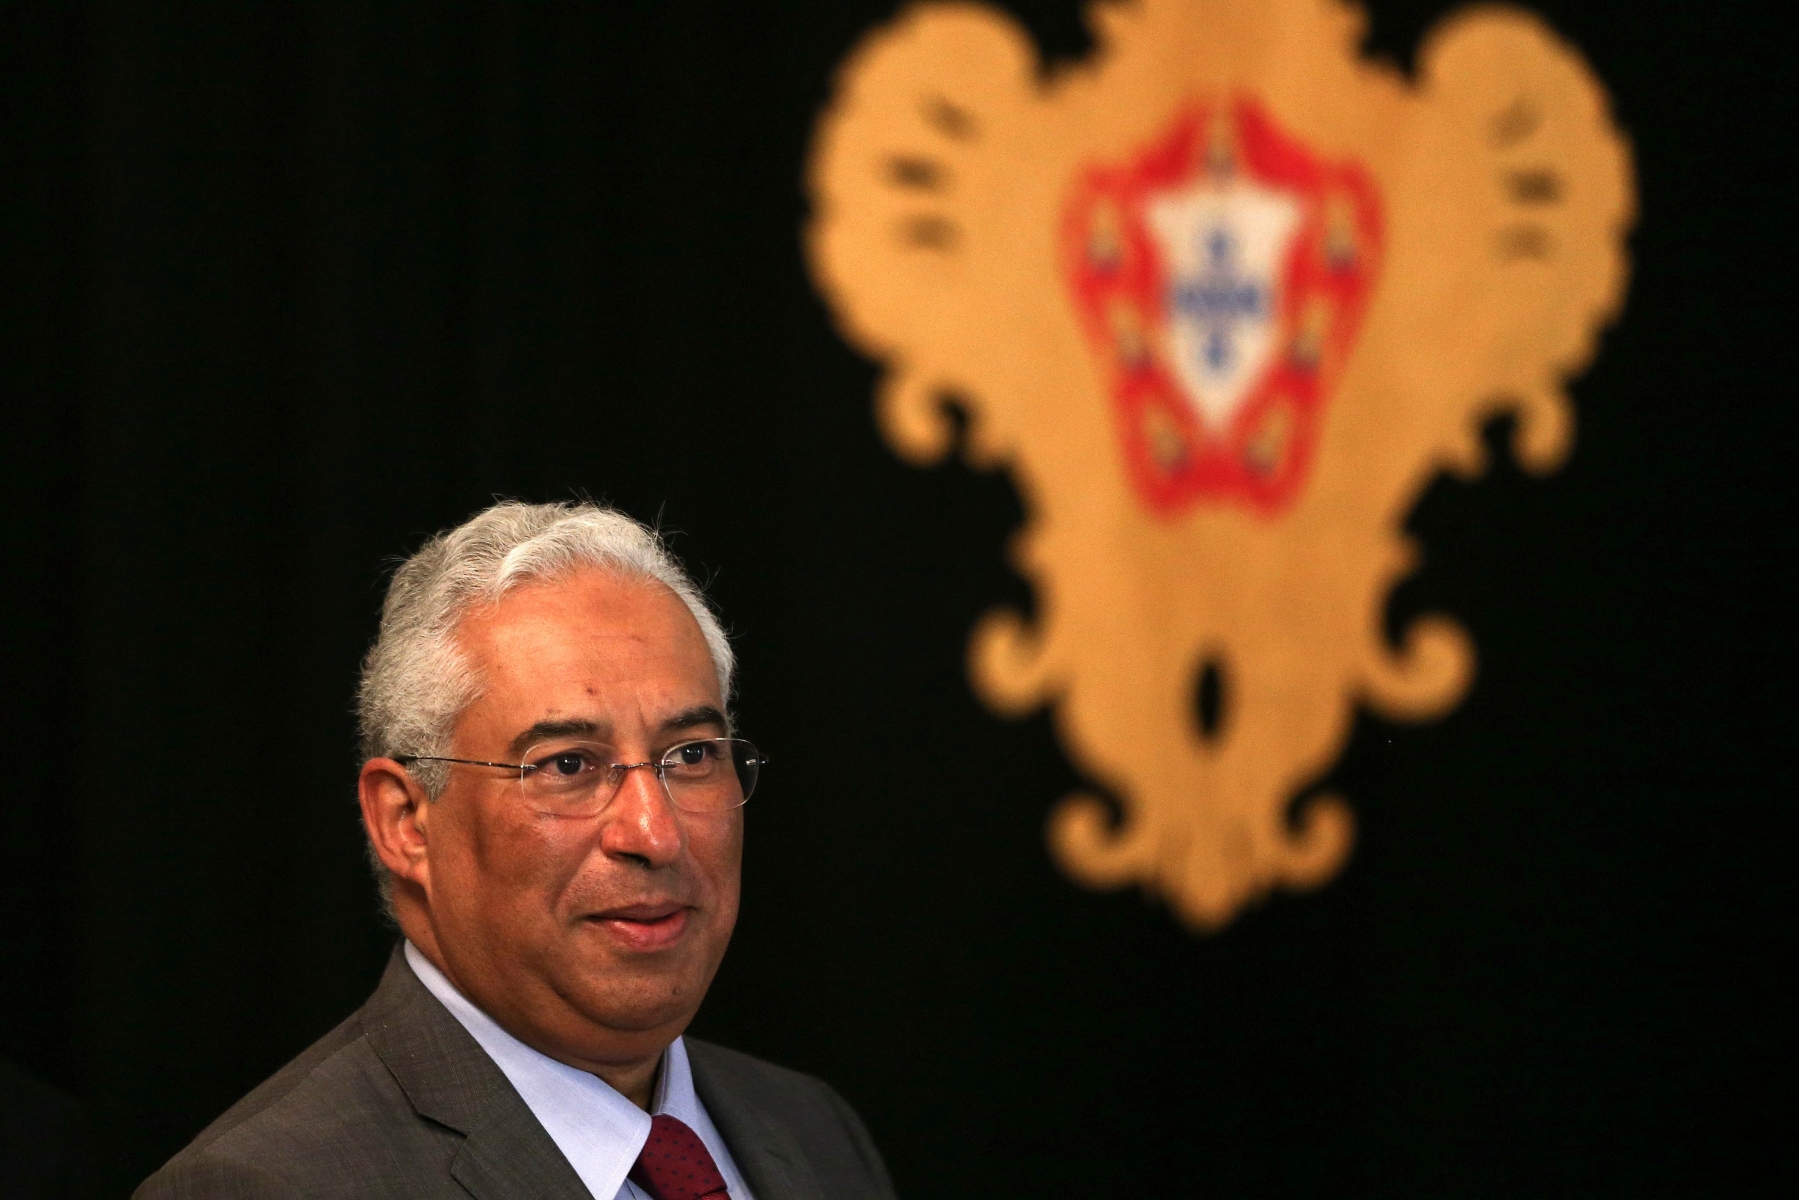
650 926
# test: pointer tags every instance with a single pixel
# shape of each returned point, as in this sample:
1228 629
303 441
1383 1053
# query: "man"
553 799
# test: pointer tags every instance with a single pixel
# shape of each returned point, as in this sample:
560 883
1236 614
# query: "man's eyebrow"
543 731
700 714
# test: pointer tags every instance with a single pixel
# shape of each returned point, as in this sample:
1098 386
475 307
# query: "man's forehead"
588 607
592 647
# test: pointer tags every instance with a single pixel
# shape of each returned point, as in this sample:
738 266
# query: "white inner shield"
1224 246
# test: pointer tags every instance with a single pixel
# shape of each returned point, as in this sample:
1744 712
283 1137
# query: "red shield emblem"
1221 275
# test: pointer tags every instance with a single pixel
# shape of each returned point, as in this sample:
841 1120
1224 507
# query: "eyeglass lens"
578 778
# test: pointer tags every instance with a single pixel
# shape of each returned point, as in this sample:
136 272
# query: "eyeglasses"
578 779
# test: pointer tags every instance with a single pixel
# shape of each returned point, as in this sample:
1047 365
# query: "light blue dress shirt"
599 1131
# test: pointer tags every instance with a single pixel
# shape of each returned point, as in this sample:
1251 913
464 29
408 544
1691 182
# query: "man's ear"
396 812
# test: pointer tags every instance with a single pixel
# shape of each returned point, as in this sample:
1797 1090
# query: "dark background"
287 287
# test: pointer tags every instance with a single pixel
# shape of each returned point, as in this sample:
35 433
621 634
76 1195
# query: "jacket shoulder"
332 1118
743 1093
296 1076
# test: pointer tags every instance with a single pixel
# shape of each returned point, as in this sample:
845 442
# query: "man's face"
592 938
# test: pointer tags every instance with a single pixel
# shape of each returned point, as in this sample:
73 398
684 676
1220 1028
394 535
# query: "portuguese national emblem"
1221 236
1222 299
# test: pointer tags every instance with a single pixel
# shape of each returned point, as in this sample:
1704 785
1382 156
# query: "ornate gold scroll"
1222 299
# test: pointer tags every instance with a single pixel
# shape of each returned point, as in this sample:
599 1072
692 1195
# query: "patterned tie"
675 1164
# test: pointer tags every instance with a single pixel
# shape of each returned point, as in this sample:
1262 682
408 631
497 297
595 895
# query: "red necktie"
675 1164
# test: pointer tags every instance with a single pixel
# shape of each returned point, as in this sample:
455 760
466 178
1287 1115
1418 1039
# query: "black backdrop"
289 286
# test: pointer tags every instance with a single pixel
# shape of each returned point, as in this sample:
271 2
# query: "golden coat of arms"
1222 299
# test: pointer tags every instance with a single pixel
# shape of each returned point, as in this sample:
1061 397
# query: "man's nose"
641 822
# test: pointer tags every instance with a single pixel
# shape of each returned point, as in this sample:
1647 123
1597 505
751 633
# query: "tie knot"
675 1164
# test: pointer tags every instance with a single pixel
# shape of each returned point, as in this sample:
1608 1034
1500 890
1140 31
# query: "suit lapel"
771 1159
508 1154
450 1080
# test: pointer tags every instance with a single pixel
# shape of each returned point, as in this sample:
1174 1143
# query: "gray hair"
416 681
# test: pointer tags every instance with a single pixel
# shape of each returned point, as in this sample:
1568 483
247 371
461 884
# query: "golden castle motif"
940 177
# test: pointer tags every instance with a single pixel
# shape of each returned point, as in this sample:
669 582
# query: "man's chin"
629 1008
634 990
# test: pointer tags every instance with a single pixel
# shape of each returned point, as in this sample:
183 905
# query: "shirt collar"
597 1129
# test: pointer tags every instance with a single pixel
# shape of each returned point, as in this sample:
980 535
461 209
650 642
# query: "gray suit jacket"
400 1101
